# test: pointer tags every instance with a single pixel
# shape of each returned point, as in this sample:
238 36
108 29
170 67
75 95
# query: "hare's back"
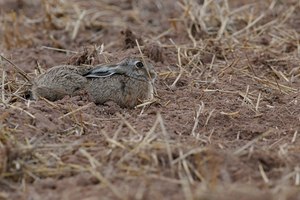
60 76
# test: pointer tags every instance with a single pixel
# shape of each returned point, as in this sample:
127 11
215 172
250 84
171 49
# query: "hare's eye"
139 64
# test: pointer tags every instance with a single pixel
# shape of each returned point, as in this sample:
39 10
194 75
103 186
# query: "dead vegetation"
224 125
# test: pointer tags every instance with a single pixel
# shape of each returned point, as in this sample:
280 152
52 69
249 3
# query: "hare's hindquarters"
57 83
52 94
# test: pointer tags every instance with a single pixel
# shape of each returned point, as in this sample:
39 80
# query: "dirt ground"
224 124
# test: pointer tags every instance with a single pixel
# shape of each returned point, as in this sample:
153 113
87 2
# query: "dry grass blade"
249 25
127 124
257 102
75 111
49 102
263 173
295 136
21 109
60 50
113 141
208 117
173 86
94 164
146 140
77 24
2 87
246 96
151 101
297 179
272 84
166 137
250 143
186 187
18 69
191 152
199 111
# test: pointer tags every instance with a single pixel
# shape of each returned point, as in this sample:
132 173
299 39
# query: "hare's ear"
100 72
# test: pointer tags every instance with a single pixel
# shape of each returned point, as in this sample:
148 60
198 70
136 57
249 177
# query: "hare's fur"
127 83
123 90
58 82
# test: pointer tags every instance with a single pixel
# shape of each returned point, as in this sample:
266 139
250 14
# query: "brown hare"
126 83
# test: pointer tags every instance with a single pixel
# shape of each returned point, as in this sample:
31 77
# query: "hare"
59 81
126 83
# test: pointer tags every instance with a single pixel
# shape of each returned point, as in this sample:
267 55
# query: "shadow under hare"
127 83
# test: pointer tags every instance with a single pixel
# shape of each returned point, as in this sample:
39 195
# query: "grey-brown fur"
58 82
127 83
123 90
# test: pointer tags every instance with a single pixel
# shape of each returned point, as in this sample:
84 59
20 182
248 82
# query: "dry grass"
247 55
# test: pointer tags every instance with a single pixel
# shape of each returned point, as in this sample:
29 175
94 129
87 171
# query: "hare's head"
131 67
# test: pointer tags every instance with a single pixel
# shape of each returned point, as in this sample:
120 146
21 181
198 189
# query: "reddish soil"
225 123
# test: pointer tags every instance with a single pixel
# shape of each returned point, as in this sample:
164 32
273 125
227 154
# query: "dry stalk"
257 102
231 65
196 172
191 152
3 87
127 124
146 140
250 143
76 110
210 135
212 62
199 111
49 102
173 86
186 187
39 69
248 26
297 178
146 103
246 96
209 116
230 113
295 136
93 170
221 31
263 173
166 138
186 169
273 84
21 109
77 24
18 69
113 141
60 50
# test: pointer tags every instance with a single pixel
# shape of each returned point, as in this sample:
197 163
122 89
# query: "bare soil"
225 122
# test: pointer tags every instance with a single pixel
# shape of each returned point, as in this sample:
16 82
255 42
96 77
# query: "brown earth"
225 123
